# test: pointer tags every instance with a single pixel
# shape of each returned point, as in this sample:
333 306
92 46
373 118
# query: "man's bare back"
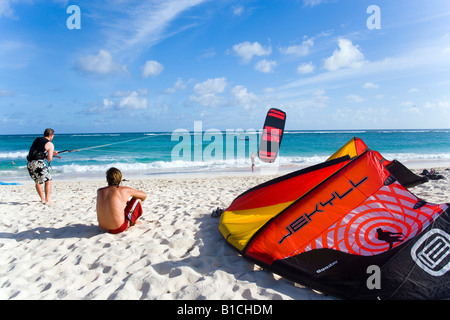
111 202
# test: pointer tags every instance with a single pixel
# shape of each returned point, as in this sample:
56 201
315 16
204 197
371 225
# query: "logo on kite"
390 237
272 135
432 252
305 218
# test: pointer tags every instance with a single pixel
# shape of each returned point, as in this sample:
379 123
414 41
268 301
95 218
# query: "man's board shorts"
132 212
38 171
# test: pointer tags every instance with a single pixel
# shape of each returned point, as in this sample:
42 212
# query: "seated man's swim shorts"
133 211
38 171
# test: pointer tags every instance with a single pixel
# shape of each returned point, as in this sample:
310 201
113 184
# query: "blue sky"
160 65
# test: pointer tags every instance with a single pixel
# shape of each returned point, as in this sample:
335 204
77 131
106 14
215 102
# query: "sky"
162 65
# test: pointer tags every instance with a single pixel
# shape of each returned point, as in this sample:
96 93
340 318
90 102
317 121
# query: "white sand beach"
59 252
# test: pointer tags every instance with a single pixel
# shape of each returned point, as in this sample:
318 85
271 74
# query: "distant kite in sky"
273 129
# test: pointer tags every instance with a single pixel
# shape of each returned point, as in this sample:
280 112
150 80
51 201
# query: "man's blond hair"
113 177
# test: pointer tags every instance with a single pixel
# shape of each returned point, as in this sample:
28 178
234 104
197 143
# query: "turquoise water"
181 152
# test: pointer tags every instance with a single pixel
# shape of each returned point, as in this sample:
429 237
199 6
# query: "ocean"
183 152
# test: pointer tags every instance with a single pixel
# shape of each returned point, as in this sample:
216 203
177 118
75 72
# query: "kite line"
103 145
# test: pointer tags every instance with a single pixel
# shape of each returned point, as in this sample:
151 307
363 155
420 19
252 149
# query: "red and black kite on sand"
325 226
272 135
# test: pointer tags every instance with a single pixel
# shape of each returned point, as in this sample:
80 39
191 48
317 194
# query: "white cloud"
424 62
152 68
121 100
180 84
414 110
316 100
207 54
370 85
208 100
312 3
347 56
372 117
247 50
206 93
265 66
209 94
442 105
120 93
355 98
238 10
244 98
407 103
7 93
299 50
107 103
105 107
306 68
101 64
145 23
410 63
319 98
5 9
134 101
216 85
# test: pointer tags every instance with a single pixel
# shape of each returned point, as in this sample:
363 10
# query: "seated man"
118 207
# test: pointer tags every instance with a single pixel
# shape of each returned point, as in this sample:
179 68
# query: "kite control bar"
74 150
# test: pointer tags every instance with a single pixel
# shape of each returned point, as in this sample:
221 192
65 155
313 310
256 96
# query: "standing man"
42 148
253 161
